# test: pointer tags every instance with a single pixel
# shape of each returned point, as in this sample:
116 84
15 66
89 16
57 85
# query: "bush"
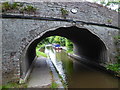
28 8
114 67
69 45
6 6
15 6
64 12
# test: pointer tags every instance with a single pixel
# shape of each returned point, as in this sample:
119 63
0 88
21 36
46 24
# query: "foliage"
117 39
59 40
14 5
63 82
62 41
118 58
69 45
22 10
54 39
64 12
28 8
114 67
117 42
6 6
70 51
51 39
41 46
13 85
44 41
109 20
113 2
110 3
54 85
39 53
102 2
10 6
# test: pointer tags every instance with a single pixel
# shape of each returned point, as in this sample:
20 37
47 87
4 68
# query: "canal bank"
55 75
79 75
93 64
101 66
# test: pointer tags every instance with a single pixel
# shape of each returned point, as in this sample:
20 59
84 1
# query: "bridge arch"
86 45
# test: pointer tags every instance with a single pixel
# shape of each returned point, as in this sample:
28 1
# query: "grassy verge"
114 67
13 85
54 85
39 53
63 82
69 51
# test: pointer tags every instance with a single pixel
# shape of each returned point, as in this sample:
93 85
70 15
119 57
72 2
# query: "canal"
78 75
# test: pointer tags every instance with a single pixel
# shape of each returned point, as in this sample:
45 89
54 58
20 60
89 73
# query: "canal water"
79 75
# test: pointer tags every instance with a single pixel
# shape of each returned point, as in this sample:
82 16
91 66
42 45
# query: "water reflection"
78 75
55 57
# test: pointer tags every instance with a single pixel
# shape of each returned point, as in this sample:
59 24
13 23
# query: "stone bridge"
93 36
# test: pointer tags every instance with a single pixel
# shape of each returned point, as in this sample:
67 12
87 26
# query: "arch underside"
86 45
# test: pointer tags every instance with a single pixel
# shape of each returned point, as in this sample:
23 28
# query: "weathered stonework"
19 34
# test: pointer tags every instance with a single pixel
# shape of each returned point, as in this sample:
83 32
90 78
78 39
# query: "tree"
113 4
57 39
69 45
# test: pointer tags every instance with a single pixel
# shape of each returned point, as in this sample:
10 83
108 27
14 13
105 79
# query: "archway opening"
57 42
86 45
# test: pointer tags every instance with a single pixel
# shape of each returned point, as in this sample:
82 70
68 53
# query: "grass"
69 51
6 6
39 53
54 85
63 82
28 8
13 85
